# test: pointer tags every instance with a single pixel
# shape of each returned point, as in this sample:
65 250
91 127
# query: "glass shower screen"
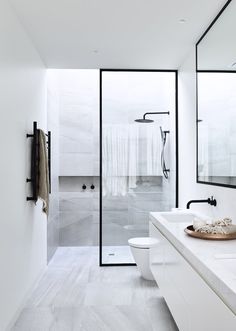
133 178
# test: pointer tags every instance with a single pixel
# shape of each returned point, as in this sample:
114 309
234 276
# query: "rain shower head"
145 120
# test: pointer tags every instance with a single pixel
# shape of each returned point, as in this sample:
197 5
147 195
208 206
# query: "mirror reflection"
216 101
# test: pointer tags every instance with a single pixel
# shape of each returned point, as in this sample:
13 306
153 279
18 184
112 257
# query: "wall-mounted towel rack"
34 180
34 162
49 158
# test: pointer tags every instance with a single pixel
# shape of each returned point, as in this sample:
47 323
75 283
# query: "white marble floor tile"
76 294
35 319
48 288
117 318
46 319
98 294
113 274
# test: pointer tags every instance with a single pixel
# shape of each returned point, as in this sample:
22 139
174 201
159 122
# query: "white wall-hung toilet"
140 248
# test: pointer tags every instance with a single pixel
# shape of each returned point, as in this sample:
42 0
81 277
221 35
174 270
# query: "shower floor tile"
117 254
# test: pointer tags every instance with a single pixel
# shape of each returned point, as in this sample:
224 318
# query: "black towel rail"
34 163
49 158
34 180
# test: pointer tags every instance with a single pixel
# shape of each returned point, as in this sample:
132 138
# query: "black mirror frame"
202 71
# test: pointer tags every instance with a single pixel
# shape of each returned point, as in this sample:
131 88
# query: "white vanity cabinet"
192 302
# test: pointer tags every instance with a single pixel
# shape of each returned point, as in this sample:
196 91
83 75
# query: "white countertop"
205 257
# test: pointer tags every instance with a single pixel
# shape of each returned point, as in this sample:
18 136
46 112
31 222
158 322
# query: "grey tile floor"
75 294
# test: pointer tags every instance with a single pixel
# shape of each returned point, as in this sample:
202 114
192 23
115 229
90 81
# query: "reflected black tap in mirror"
211 201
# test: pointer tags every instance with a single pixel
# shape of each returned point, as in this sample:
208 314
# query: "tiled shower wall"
79 157
123 217
79 211
79 123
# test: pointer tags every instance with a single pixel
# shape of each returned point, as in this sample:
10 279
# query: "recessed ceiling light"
182 20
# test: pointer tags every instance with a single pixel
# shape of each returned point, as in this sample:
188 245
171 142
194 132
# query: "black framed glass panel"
138 156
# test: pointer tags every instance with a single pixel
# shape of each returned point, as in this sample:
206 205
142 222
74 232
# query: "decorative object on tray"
221 229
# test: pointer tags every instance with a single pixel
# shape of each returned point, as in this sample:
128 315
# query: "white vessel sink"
178 217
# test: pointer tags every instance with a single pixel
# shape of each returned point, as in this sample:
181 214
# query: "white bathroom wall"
23 235
188 188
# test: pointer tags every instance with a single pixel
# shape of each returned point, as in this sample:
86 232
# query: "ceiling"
91 34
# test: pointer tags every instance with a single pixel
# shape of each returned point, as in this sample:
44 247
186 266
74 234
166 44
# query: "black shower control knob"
84 187
92 187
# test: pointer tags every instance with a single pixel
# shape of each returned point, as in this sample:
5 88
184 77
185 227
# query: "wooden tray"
209 236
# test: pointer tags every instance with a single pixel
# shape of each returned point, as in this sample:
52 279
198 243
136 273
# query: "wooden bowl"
208 236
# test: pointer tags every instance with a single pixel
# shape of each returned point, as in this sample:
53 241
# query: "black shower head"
143 120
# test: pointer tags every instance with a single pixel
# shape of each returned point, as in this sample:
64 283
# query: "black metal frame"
101 264
207 71
34 163
49 143
34 179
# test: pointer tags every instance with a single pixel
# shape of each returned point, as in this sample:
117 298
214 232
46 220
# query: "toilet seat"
144 242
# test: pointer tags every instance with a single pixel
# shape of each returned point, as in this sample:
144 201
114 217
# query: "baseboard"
26 298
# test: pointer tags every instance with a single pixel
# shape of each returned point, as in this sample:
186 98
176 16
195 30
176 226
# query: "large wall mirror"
216 100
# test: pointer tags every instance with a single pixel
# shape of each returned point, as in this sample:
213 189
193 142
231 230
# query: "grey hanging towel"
43 179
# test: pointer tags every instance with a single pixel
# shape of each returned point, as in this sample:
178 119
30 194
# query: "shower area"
113 157
138 115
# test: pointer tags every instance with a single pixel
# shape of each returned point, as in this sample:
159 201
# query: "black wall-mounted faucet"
210 201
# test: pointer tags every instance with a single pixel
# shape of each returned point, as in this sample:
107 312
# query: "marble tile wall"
79 118
53 126
79 157
123 217
79 211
